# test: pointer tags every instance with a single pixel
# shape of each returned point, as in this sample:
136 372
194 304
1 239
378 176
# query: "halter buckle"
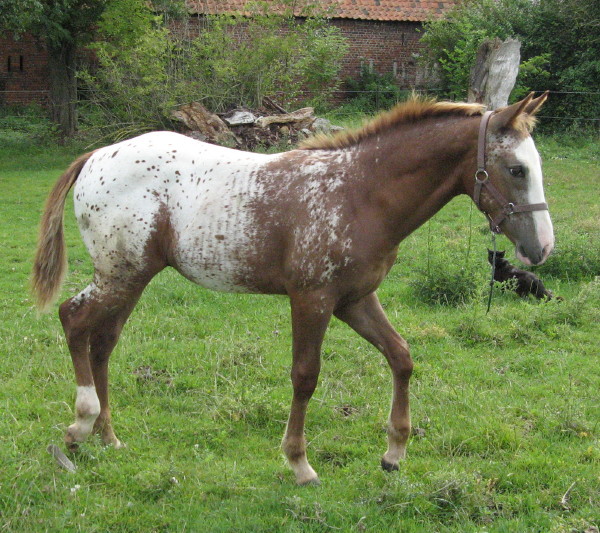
509 208
481 176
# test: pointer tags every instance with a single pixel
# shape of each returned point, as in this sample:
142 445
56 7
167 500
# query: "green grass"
507 404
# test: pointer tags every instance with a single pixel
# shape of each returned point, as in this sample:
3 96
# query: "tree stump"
495 72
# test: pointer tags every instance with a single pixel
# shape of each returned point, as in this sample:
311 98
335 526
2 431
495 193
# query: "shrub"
448 279
372 92
446 285
452 42
559 50
234 61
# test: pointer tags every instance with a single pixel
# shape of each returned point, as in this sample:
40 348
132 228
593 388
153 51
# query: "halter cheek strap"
482 181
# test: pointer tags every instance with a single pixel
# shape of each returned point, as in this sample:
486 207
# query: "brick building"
382 35
24 75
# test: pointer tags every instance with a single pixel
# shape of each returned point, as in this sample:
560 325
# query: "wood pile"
247 129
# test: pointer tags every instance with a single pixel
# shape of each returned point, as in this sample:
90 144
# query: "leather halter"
482 180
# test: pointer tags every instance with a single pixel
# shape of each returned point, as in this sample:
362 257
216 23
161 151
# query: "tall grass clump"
575 257
447 279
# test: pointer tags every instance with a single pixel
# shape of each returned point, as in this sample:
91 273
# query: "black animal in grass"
525 282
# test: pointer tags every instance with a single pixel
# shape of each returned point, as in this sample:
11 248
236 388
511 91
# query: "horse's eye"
517 171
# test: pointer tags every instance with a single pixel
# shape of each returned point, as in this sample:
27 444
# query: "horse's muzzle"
534 257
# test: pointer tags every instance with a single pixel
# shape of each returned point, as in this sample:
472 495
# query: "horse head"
509 188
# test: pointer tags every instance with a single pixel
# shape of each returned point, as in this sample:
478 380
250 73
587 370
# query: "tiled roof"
398 10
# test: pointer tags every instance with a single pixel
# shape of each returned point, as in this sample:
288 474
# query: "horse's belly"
214 258
213 239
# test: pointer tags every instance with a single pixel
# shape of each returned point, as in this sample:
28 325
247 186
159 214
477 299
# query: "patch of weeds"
151 380
574 428
306 513
527 322
590 455
450 496
445 283
373 92
254 411
263 414
156 484
346 410
583 308
473 329
446 495
564 146
24 126
574 524
243 355
335 456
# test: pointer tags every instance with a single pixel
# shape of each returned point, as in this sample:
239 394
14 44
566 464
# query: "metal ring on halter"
509 208
481 172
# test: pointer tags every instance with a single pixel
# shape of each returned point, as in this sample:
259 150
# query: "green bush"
372 92
559 52
234 61
452 42
448 279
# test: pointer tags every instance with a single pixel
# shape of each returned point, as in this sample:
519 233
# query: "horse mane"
414 110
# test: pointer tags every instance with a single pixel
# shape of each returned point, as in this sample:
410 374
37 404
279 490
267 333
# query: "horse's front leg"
368 319
310 316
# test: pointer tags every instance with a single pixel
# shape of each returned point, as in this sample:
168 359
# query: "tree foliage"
233 60
560 48
64 26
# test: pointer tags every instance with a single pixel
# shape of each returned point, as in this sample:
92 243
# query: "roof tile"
396 10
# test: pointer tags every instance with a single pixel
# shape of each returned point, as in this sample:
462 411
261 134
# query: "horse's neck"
415 173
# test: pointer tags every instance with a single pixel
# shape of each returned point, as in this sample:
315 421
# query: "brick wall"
23 71
386 47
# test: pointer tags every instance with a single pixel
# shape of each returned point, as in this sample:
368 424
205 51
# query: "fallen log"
197 118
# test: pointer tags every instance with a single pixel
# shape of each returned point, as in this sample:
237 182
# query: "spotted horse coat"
320 224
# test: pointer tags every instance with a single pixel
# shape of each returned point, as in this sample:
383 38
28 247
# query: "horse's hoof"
71 445
118 444
109 439
389 467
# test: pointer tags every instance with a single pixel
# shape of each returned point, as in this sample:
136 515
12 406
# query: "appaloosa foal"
321 224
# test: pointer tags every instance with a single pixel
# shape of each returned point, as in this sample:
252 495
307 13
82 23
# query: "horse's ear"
507 116
535 104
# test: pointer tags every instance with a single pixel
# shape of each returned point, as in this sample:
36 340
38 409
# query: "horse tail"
50 264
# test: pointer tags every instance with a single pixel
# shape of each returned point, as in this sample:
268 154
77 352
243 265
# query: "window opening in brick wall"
12 65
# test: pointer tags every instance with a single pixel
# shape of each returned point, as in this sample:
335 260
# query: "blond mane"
411 111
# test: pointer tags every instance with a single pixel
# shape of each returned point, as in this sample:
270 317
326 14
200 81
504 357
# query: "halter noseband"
483 180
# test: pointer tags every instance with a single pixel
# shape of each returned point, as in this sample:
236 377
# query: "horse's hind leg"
368 319
92 322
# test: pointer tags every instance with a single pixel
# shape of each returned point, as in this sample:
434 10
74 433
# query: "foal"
320 224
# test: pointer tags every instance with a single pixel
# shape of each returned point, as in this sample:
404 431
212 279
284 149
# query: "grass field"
506 405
